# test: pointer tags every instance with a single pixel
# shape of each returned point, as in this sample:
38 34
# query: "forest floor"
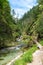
37 56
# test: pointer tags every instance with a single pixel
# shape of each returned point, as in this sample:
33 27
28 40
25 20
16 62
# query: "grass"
41 42
27 57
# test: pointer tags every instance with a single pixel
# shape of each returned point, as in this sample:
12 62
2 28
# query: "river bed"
7 55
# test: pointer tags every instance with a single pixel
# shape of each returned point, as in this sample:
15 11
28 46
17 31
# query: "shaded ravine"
38 55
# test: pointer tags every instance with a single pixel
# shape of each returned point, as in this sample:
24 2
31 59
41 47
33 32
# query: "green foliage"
39 25
40 1
29 19
5 30
9 30
27 57
41 42
32 21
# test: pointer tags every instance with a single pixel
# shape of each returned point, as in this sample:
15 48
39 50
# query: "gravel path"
37 56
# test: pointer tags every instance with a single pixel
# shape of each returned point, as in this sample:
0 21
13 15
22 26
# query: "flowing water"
8 54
